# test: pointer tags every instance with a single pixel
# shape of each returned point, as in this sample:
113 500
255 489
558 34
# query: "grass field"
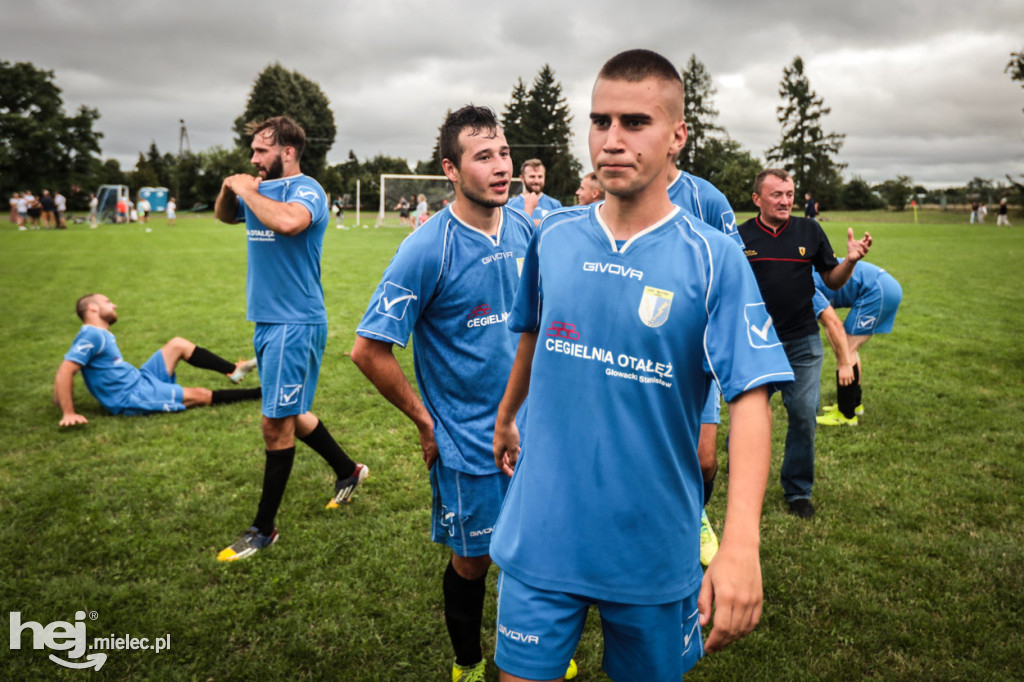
913 568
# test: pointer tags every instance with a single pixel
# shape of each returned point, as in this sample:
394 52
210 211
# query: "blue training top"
107 376
704 200
545 205
283 280
451 286
607 494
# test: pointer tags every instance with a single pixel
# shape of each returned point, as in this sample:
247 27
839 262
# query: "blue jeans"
801 400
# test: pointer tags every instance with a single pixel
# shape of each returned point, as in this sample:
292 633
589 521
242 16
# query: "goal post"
395 186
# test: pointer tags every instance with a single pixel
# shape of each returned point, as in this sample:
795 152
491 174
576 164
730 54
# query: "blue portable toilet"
157 198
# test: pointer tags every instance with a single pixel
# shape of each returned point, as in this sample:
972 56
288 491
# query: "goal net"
394 188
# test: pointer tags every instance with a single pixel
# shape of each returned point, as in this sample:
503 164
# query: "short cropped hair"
774 172
284 130
470 116
530 163
638 65
83 304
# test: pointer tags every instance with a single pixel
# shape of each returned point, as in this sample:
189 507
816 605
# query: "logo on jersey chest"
614 269
481 316
802 250
655 305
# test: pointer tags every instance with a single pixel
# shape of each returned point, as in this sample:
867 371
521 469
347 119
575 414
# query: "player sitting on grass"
121 388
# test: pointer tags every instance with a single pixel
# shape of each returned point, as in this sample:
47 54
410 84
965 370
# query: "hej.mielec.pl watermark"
72 639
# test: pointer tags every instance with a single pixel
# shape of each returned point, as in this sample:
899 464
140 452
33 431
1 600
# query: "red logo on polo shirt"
563 330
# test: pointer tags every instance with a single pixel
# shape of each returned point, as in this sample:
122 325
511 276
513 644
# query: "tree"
1015 67
537 124
279 92
700 115
896 193
732 171
805 150
859 196
40 146
433 166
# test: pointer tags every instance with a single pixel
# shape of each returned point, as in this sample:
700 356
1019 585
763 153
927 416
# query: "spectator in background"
60 202
48 209
94 204
172 211
422 210
1003 213
35 209
144 208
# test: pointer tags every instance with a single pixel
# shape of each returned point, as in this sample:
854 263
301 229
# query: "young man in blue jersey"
704 200
873 297
124 390
451 285
628 311
285 215
783 250
533 202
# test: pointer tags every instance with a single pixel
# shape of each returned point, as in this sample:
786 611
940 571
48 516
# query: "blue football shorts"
876 312
712 413
465 508
538 632
289 357
156 391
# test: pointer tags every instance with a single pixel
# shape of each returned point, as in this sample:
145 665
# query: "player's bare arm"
855 250
732 583
376 359
226 206
63 393
288 219
836 335
506 434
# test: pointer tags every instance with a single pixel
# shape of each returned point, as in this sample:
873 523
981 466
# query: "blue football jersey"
545 205
607 494
704 200
862 282
283 281
107 376
451 287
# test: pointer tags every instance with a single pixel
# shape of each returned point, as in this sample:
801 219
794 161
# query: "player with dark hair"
628 311
873 297
285 214
783 250
124 390
451 285
532 201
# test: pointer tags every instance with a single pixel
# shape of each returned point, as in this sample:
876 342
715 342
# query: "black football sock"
848 397
204 359
709 486
324 444
464 614
275 479
233 395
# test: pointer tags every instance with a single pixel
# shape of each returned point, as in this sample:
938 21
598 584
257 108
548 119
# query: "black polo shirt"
782 263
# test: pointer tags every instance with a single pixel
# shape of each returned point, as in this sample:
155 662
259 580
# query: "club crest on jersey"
655 305
519 265
803 251
394 300
759 326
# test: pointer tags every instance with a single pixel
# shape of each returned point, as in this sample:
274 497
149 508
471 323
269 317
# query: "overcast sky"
917 86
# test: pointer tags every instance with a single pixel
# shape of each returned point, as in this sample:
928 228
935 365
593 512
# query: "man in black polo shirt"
782 249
